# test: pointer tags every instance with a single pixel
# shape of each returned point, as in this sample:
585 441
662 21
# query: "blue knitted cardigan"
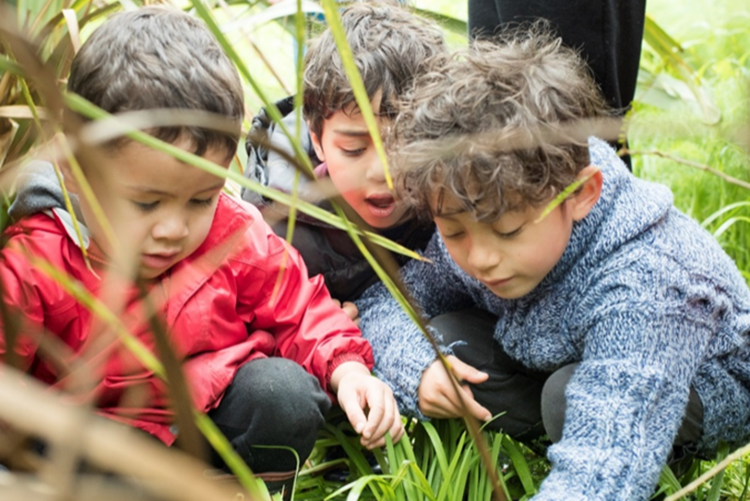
645 300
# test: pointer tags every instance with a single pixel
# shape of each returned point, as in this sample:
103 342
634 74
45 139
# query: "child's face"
355 168
512 255
159 207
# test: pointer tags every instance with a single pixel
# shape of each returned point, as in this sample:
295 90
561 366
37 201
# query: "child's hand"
357 390
350 309
438 397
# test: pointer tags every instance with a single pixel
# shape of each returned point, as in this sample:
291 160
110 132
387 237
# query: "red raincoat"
242 295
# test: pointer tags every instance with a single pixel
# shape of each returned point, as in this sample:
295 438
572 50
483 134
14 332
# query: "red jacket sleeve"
309 328
22 303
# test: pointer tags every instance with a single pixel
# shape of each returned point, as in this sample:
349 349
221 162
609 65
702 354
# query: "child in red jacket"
263 348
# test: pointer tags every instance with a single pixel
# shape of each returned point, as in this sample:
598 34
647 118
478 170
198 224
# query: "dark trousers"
512 392
608 34
530 403
271 403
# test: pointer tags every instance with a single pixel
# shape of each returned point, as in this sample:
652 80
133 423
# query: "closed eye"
509 234
202 202
146 206
453 236
353 153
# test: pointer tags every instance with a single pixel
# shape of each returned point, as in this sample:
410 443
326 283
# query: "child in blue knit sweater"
634 318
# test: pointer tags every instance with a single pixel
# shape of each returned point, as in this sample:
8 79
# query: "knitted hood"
627 203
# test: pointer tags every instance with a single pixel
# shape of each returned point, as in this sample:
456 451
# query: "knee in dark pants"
511 392
554 403
272 404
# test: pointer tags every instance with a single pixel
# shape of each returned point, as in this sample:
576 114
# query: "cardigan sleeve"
627 398
401 351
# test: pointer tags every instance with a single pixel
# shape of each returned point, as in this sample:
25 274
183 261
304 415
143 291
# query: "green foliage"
437 462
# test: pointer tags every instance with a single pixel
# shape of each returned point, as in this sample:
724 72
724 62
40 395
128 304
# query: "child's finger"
475 408
377 410
385 422
351 310
397 428
354 413
466 372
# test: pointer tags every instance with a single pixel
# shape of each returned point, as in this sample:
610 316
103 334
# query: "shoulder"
239 228
40 234
681 274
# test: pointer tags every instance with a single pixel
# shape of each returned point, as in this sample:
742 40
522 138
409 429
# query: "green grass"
720 54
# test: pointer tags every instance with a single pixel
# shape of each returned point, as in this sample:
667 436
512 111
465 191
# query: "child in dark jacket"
263 347
638 314
391 47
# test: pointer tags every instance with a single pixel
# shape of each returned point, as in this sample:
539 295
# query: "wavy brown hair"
501 126
390 46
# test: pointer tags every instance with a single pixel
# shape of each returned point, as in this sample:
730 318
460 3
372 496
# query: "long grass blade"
271 109
84 107
437 445
331 9
669 50
520 465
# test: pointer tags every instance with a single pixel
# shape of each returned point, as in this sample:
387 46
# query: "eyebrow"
449 214
151 191
352 132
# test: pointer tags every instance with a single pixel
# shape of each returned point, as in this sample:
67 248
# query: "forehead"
352 124
134 166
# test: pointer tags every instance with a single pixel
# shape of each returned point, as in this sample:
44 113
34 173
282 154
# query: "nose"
375 172
172 227
482 255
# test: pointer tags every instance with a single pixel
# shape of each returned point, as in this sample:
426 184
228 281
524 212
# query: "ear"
317 146
588 193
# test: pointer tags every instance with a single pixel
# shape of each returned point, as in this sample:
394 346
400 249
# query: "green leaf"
669 50
331 8
520 465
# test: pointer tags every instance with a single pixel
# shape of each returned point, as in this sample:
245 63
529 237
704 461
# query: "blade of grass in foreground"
331 10
150 362
271 109
89 110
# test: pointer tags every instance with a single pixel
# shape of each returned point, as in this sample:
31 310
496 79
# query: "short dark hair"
157 57
501 126
390 45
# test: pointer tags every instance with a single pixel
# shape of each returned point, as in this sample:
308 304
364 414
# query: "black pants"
608 34
512 392
271 402
531 403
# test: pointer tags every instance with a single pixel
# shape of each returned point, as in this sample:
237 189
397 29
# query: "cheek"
544 253
200 226
457 252
344 179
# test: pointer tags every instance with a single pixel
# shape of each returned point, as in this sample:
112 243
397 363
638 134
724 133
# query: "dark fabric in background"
608 34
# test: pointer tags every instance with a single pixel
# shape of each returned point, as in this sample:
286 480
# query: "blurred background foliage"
689 128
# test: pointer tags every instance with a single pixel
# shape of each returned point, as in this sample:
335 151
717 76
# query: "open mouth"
381 205
380 201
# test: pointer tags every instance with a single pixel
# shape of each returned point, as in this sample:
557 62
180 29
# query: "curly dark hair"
501 126
390 45
157 57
